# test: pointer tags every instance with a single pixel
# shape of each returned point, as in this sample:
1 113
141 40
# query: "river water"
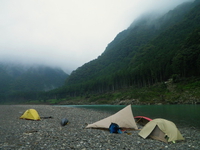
181 115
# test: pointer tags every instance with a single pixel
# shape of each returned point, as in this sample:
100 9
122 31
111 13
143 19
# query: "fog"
66 33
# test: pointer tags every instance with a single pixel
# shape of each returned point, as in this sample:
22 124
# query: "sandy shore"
48 134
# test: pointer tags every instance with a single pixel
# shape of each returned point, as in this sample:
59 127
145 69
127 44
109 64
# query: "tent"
30 114
161 129
142 120
124 118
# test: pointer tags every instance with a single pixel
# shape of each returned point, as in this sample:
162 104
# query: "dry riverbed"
48 134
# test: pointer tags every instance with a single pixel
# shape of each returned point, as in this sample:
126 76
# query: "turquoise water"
181 115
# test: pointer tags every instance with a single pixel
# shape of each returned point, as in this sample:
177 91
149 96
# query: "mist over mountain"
122 49
141 55
15 78
78 35
153 49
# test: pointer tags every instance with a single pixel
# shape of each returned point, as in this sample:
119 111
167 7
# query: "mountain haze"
153 50
141 55
17 79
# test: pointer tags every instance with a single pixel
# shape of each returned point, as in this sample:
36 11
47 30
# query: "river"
181 115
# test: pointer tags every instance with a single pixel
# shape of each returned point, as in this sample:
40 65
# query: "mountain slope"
158 57
151 51
144 54
120 51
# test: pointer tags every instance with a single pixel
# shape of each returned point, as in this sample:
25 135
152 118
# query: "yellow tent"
124 118
161 129
30 114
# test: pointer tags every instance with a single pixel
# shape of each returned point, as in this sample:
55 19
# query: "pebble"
48 134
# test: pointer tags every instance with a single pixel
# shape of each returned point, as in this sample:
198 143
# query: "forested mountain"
153 49
17 79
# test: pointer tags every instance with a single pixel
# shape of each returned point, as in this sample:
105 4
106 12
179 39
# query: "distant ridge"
19 78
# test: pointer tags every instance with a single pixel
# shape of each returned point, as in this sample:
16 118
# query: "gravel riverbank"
48 134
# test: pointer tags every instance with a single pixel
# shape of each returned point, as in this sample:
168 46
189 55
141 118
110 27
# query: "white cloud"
66 33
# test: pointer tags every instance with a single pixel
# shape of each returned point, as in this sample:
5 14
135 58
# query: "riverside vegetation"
174 91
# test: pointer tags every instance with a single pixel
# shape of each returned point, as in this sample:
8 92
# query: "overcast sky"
66 33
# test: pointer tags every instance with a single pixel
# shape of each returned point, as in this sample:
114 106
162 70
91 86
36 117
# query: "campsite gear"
50 117
124 118
161 129
64 121
31 131
142 120
114 128
30 114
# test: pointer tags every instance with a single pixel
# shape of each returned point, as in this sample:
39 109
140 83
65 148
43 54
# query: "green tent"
161 129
